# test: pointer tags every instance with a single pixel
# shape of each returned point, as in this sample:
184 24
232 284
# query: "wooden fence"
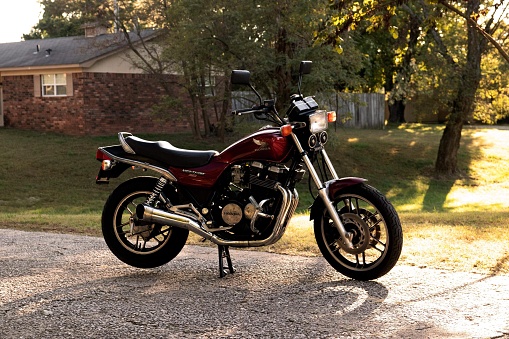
355 110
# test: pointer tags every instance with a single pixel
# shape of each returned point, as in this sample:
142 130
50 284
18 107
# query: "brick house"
81 86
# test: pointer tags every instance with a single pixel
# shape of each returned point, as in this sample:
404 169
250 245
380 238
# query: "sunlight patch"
465 199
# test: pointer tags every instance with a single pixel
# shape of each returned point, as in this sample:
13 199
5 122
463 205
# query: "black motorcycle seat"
168 154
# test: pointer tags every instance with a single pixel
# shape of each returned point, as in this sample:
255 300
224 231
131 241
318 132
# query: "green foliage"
493 94
492 100
448 64
436 80
65 18
169 104
210 38
355 45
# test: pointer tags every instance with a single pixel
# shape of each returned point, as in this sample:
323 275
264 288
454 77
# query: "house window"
53 85
210 84
207 85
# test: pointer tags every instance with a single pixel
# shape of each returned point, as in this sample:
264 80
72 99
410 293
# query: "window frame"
55 84
210 86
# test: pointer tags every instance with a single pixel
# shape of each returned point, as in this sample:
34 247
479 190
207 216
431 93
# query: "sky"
17 17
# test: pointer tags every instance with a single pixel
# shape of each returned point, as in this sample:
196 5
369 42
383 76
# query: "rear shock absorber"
157 191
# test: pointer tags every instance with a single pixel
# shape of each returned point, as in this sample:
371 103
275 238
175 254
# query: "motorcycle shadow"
298 288
291 298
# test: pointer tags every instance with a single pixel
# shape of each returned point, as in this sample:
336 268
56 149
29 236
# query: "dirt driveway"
72 287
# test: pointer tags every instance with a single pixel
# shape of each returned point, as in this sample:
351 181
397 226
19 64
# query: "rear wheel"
376 229
136 242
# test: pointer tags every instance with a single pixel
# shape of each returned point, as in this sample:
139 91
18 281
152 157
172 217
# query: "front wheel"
136 242
376 230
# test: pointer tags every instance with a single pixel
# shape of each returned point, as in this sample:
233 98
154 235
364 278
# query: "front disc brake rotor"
359 230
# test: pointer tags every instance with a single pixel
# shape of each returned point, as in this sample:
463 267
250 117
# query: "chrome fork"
346 237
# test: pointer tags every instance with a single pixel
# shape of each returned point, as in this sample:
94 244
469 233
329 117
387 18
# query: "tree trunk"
404 74
196 116
225 106
397 112
283 74
284 50
447 157
463 105
191 85
202 99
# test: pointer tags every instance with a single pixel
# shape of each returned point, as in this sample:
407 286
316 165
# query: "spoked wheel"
376 234
136 242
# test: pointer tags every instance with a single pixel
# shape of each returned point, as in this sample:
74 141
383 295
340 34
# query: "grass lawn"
47 182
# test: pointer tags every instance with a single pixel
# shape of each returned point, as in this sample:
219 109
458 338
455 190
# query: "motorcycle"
246 195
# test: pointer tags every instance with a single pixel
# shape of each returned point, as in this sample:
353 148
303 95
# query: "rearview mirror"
305 67
240 77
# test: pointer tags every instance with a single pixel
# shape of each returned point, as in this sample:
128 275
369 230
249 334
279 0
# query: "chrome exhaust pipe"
150 214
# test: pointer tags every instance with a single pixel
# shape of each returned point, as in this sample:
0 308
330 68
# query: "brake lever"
252 110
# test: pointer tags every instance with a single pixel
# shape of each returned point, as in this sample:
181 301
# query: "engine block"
258 174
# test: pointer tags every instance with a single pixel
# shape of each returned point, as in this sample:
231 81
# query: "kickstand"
224 252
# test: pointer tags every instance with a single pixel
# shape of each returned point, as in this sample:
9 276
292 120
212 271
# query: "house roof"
76 50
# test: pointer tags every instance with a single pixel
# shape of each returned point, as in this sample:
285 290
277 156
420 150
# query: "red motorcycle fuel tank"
265 145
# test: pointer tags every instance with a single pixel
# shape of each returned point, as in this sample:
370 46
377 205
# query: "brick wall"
102 104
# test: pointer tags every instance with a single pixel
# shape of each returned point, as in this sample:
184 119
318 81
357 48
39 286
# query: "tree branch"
471 21
442 49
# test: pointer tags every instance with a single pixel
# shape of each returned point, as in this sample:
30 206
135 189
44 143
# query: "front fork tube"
323 192
331 168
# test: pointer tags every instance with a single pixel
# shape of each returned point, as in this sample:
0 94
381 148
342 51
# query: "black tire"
358 206
150 245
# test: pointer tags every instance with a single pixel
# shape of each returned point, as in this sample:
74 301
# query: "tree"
65 18
392 50
388 36
463 104
204 40
482 20
270 38
492 100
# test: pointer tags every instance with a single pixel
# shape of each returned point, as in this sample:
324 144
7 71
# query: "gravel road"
70 286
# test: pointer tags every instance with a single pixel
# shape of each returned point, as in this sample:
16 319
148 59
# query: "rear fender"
104 176
332 187
117 168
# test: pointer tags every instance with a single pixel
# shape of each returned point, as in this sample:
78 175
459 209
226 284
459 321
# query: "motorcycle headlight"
318 121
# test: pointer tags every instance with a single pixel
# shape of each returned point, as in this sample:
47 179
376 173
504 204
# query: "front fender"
332 187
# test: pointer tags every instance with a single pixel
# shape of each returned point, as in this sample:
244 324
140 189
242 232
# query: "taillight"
101 156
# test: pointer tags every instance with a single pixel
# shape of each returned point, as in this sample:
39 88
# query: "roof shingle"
64 51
